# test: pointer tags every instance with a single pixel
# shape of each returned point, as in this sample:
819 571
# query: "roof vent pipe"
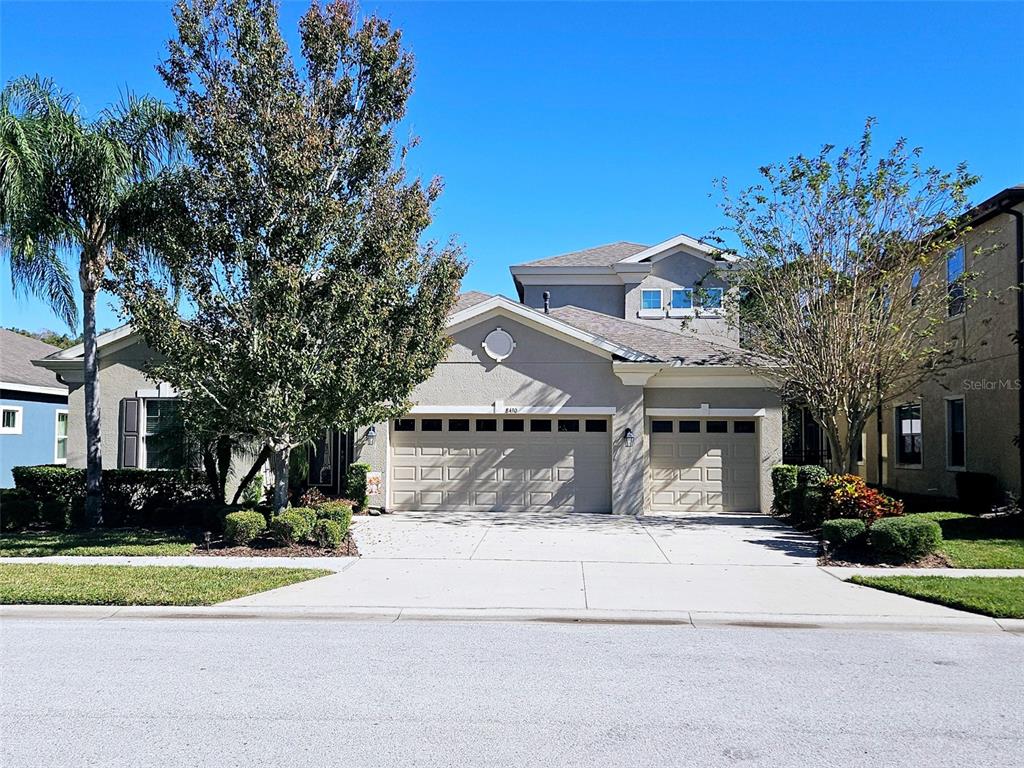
547 302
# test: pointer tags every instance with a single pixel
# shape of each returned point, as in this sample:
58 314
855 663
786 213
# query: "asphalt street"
161 692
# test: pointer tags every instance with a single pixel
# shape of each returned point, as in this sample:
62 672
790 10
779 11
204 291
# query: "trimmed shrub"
60 489
977 492
850 497
327 534
902 539
807 500
18 509
355 484
309 515
338 511
291 527
240 528
841 532
783 483
150 498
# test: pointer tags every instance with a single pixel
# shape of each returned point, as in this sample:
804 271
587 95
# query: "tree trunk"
225 446
210 470
281 458
257 465
93 450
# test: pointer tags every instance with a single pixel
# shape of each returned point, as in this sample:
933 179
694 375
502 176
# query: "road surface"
161 692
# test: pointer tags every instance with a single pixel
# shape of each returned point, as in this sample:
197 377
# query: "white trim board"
705 411
500 408
33 388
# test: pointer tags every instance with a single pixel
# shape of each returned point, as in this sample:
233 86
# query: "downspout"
1020 342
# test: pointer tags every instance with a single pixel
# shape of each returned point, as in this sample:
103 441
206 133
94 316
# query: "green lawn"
126 541
139 585
975 542
1001 597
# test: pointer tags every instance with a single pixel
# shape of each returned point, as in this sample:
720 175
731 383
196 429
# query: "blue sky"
562 126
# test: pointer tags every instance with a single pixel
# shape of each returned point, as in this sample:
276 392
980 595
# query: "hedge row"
53 496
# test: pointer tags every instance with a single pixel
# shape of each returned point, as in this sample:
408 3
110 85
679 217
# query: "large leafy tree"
75 189
307 300
843 288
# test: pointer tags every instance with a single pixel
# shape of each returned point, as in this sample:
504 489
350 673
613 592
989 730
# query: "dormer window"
682 303
682 298
651 305
651 299
712 299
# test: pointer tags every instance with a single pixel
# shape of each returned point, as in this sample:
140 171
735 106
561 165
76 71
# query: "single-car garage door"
704 465
514 464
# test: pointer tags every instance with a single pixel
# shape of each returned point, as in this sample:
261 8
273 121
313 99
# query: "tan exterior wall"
988 384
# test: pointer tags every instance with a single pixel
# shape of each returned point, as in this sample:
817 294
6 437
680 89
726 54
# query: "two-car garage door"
704 465
501 463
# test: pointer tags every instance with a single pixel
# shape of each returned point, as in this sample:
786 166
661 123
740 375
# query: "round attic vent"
498 344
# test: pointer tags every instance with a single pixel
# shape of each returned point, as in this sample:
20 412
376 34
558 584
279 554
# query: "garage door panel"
431 498
486 499
403 473
502 471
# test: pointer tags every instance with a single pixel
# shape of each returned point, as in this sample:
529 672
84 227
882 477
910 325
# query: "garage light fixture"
628 437
371 434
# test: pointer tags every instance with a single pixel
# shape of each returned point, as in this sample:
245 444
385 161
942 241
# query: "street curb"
691 619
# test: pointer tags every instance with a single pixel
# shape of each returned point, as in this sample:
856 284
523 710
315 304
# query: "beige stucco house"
586 394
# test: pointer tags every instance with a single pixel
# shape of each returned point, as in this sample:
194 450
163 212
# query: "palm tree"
70 186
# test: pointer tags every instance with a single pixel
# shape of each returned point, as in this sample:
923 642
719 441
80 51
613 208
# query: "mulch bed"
864 558
267 547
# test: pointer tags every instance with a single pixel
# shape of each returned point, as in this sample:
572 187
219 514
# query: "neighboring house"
33 407
969 418
598 402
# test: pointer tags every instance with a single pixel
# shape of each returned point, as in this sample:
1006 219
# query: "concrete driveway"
728 539
733 563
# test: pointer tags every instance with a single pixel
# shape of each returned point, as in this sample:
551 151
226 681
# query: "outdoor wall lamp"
628 437
371 434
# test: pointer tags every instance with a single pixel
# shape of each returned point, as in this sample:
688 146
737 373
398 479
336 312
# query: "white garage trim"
706 411
504 408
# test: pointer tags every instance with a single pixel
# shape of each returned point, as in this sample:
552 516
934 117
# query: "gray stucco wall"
607 299
680 270
120 377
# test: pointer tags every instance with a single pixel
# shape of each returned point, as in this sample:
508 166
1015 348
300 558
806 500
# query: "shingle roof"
660 345
16 355
468 299
599 256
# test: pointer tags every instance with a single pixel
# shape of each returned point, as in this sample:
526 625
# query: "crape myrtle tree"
77 189
299 295
843 290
